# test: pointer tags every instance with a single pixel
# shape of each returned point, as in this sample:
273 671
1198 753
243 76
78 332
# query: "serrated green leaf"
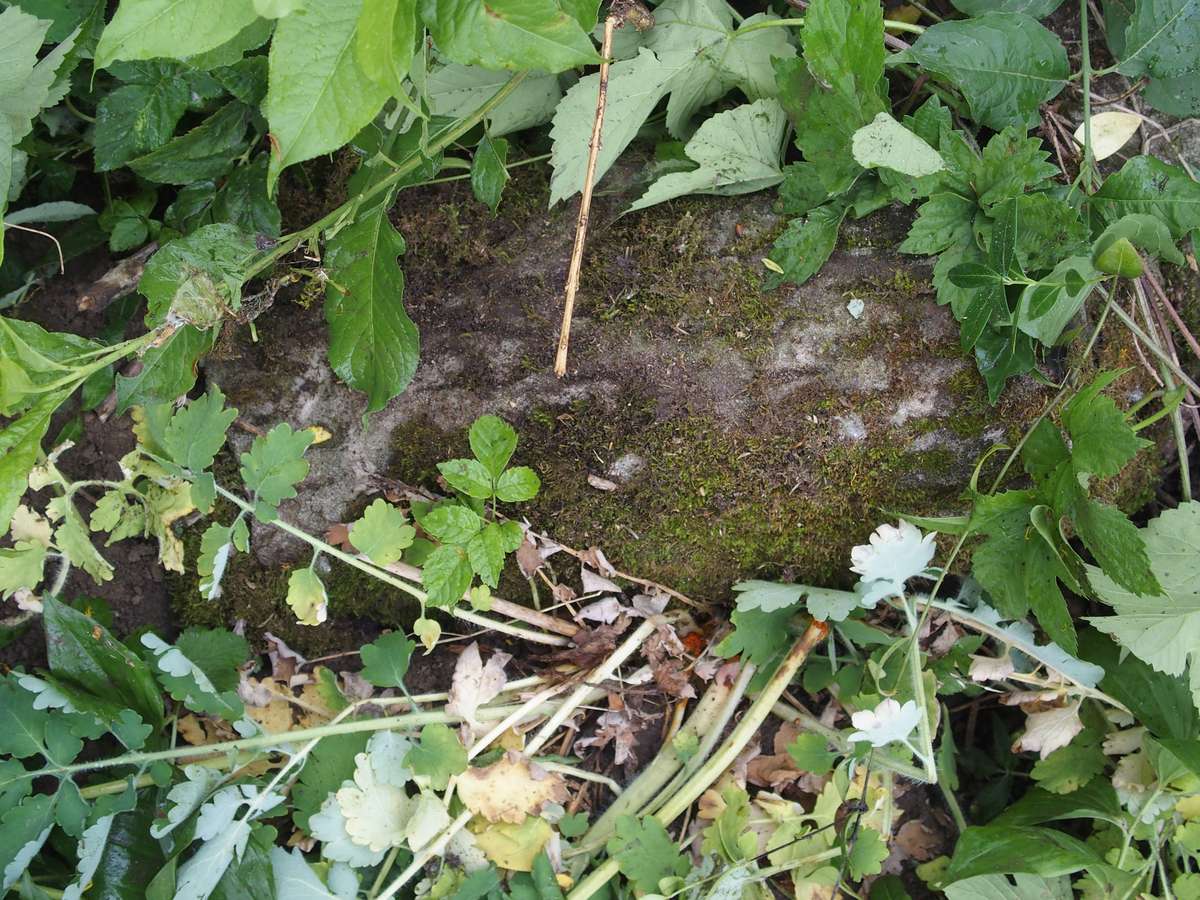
1065 771
196 432
23 831
139 116
275 464
486 553
943 220
468 476
866 854
209 150
810 752
383 533
330 763
509 34
488 171
451 523
1006 64
217 546
144 29
197 279
385 661
218 652
20 444
438 756
517 485
1102 441
447 575
1162 630
645 852
737 152
807 244
1148 185
74 540
319 97
758 636
493 442
373 344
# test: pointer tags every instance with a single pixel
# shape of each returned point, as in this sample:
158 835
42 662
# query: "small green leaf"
447 575
488 172
493 442
518 484
451 523
1119 258
21 567
468 476
486 553
197 431
866 854
438 756
810 752
382 533
807 244
275 464
385 662
645 852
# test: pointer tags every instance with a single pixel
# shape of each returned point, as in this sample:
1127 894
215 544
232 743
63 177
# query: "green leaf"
488 172
737 152
1161 39
73 539
1095 800
888 887
197 279
758 636
451 523
1101 438
196 432
468 476
1038 9
1046 308
634 88
517 485
23 831
207 151
275 464
807 244
493 441
1119 258
1005 63
729 835
768 596
866 854
385 662
383 533
144 29
307 598
188 683
1162 630
1008 849
1065 771
131 857
330 763
486 553
456 91
386 41
21 567
885 143
999 887
1144 231
20 444
82 651
138 118
168 370
216 547
438 756
218 652
645 852
810 753
1178 96
319 98
509 34
843 45
373 344
447 575
1148 185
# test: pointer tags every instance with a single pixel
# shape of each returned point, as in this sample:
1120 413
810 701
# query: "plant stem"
1153 347
1086 64
422 857
290 242
918 685
711 770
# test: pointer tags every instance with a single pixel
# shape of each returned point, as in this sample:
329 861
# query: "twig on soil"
585 203
117 282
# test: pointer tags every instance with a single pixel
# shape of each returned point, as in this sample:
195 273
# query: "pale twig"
62 266
585 203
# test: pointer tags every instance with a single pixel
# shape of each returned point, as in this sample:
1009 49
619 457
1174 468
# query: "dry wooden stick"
585 203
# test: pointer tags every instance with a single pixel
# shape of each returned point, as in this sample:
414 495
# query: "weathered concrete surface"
749 433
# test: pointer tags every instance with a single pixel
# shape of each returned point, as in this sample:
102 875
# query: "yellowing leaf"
376 814
515 847
885 143
306 596
1110 132
510 790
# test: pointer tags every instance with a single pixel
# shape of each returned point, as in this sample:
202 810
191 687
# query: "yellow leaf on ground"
514 847
510 789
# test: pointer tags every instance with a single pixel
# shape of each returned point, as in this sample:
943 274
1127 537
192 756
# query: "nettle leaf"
885 143
274 465
1102 441
1148 185
197 279
319 97
645 852
1161 39
144 29
807 244
1005 63
383 533
373 344
510 34
1163 630
737 152
385 661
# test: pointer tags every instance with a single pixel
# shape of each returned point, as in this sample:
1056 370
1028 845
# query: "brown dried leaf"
615 727
591 646
915 841
510 789
528 557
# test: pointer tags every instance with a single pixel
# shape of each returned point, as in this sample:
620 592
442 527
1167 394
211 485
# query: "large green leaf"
1179 96
145 29
82 651
737 151
387 40
131 857
1095 800
1039 9
373 344
456 91
998 887
509 34
1163 630
168 370
319 97
1149 185
1163 39
1005 63
1009 849
207 151
141 115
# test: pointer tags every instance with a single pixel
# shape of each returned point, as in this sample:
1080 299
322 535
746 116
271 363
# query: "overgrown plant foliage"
193 769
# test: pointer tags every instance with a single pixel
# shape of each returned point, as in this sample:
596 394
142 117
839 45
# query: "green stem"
290 242
1153 347
918 686
798 22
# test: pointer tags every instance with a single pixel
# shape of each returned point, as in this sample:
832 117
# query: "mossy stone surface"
749 433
